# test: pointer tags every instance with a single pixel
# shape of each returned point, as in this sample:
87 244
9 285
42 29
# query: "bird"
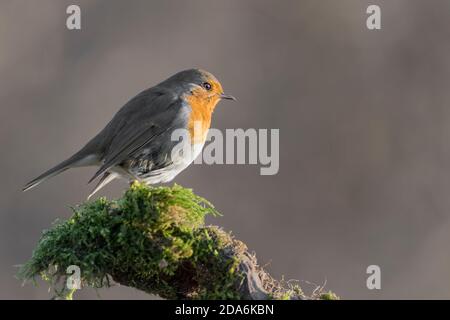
137 144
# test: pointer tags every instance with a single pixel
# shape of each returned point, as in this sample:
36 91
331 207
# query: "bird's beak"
227 97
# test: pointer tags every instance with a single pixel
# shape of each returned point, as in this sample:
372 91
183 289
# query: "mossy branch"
155 240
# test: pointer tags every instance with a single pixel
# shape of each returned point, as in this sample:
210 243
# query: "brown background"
364 119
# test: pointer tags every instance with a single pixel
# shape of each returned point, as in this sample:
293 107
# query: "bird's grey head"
196 82
189 78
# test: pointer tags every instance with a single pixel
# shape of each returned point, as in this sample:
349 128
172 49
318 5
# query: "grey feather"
77 160
105 179
146 122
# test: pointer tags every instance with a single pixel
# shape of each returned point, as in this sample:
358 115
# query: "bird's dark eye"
207 86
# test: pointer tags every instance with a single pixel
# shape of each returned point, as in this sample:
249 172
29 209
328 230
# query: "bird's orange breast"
200 116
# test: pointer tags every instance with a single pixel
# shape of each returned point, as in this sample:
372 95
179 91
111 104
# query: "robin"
137 143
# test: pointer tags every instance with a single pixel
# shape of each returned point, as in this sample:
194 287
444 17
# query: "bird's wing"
145 121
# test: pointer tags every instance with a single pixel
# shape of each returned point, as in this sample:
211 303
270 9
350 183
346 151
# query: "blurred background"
364 123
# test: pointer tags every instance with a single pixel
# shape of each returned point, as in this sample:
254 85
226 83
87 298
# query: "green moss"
151 236
328 296
153 239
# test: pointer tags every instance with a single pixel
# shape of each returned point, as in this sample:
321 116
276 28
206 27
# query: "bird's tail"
77 160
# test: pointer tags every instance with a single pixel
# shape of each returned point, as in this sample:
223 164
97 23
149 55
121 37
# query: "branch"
155 240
